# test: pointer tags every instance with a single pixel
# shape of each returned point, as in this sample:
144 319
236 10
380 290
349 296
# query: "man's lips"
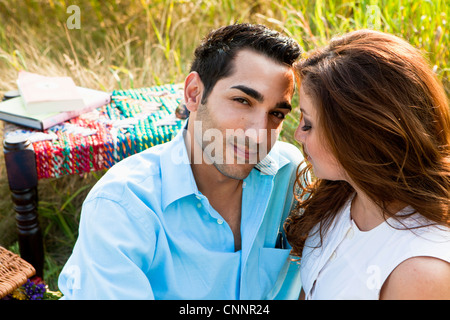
244 152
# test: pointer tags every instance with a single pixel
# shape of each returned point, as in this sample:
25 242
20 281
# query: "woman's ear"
193 91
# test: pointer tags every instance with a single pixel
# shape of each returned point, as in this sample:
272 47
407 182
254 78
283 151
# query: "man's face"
243 114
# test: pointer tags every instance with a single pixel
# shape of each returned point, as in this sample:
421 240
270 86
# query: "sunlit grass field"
132 44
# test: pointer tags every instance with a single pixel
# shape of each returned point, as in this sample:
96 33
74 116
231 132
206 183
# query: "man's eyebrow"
249 91
284 105
303 111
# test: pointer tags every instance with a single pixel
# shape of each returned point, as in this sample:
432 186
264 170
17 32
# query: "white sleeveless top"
352 264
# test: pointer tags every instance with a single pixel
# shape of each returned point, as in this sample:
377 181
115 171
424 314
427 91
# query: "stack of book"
42 102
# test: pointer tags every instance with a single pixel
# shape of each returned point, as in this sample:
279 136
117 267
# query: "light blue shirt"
146 232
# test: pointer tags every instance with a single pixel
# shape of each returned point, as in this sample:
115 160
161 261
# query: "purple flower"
34 291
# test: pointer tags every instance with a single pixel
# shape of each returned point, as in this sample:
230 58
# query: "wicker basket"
14 272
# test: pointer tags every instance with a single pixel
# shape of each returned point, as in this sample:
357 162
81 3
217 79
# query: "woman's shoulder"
419 277
422 270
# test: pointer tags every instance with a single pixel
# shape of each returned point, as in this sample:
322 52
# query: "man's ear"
193 91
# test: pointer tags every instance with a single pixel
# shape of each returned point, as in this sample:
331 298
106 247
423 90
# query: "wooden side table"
135 120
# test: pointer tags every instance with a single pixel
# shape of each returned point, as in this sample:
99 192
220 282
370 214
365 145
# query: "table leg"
20 162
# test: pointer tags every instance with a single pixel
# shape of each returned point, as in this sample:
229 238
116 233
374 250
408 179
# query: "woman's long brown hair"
385 116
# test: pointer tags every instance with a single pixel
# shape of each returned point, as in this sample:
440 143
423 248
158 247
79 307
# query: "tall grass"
123 44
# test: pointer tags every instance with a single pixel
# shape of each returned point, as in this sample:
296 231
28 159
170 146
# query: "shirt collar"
267 166
177 179
273 161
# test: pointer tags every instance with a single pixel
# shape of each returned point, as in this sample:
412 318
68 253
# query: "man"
199 217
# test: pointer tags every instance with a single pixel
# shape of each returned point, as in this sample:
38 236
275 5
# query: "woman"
375 130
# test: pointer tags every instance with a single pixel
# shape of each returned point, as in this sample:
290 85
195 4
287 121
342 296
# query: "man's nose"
257 129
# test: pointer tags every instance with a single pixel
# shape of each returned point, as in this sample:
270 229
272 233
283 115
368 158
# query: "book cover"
43 94
13 110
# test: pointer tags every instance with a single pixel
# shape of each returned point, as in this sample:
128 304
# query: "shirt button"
199 205
244 184
350 233
219 221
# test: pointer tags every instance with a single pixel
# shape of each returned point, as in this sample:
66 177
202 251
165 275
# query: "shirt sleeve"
112 254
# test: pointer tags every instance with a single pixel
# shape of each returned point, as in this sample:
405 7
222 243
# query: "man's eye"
279 115
241 100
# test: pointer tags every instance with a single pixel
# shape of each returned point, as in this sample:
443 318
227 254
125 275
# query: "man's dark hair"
213 58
